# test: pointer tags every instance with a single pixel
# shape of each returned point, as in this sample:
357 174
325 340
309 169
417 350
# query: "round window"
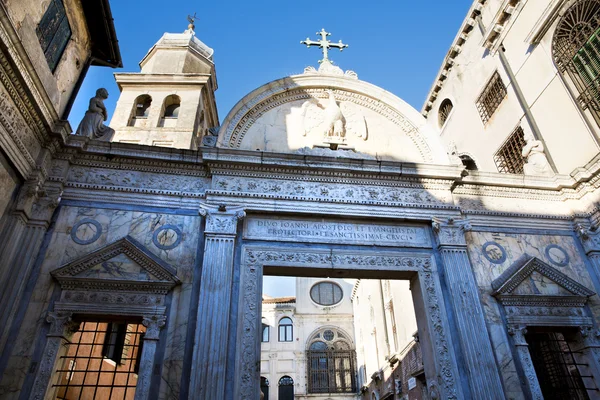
326 293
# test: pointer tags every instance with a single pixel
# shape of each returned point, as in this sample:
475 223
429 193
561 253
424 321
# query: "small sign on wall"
412 383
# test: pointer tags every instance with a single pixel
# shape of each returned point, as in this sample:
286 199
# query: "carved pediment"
123 265
531 280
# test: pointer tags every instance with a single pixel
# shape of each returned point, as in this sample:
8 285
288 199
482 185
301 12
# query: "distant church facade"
132 253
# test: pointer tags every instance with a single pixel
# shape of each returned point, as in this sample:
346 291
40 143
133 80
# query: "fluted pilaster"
477 352
214 306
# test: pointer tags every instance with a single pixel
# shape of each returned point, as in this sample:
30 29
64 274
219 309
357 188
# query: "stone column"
21 243
531 381
62 328
153 324
477 352
214 306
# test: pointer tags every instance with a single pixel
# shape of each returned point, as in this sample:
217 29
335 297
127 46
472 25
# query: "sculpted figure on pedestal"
92 125
536 162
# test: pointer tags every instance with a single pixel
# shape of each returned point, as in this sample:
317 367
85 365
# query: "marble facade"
179 238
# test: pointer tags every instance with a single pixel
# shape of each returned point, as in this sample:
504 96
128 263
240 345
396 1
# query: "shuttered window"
54 33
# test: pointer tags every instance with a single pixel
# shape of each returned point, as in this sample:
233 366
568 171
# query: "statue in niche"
536 162
332 121
92 124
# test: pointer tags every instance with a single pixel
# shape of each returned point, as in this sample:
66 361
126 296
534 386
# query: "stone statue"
92 125
536 162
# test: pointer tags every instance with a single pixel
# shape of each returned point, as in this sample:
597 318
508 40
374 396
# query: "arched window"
286 330
444 111
468 162
264 386
265 331
331 363
286 388
141 109
170 111
576 51
326 293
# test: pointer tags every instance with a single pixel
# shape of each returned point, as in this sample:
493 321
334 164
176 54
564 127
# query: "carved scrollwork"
450 232
221 219
61 324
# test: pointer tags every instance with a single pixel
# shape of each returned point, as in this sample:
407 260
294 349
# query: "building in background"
308 349
390 363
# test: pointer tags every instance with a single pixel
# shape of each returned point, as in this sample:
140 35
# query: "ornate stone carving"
506 283
332 121
331 192
61 324
136 182
70 275
221 219
253 260
243 119
153 324
450 232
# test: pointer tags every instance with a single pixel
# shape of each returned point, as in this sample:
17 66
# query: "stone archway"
419 267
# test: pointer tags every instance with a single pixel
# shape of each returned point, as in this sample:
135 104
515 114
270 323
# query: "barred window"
491 97
331 363
54 32
509 158
101 361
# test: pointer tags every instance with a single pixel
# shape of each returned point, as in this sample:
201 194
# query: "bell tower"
170 102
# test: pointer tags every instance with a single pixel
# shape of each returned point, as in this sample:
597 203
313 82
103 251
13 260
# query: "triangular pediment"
123 265
530 276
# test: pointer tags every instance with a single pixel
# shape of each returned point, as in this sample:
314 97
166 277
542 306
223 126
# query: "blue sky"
395 44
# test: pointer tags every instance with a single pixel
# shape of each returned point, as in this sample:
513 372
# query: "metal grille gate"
331 371
556 366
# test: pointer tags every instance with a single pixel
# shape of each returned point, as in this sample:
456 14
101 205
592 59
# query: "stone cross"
324 44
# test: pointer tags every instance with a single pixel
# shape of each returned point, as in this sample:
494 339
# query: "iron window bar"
99 379
509 157
492 96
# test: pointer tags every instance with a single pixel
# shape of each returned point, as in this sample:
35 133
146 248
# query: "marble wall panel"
492 253
179 251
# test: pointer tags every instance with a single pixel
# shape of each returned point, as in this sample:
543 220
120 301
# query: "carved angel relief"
331 120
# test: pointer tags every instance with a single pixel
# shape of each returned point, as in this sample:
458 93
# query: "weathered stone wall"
77 226
26 15
492 253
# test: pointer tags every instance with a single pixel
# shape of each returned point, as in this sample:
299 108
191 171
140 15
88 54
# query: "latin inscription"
335 232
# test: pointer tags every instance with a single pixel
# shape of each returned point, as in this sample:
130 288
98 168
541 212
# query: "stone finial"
192 19
92 124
